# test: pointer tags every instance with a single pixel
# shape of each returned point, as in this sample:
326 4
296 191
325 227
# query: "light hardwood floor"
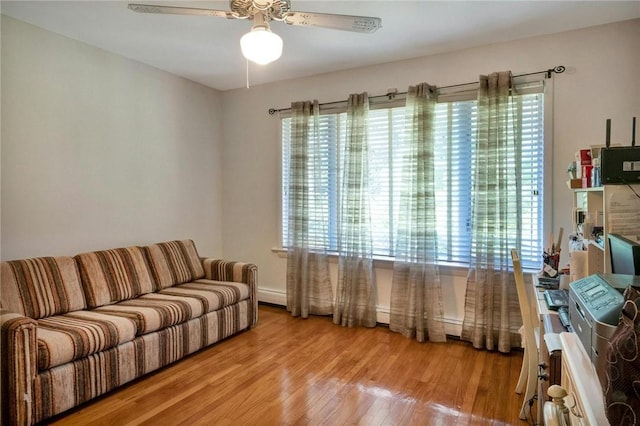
289 371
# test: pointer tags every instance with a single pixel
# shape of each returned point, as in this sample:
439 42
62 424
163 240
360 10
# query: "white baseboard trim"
452 326
275 297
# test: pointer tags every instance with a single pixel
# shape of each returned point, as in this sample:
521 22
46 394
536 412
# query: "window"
454 146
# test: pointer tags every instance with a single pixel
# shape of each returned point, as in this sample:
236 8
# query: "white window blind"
532 173
386 131
455 131
324 203
454 143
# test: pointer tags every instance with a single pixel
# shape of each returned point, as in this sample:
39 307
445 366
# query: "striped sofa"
77 327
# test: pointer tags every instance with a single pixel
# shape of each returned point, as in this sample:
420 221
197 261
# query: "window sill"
385 262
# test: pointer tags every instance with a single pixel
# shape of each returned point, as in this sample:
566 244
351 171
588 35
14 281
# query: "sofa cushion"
155 311
213 295
111 276
174 262
41 287
64 338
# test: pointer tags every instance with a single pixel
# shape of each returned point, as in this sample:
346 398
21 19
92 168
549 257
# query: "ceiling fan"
260 45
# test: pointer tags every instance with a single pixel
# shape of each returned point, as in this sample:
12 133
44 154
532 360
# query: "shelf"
592 189
589 205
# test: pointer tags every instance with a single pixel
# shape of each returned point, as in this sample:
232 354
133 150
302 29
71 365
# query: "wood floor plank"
290 371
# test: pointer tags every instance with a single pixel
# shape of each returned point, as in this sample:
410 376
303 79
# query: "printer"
595 303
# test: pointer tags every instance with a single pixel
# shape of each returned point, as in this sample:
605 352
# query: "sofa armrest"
225 270
19 347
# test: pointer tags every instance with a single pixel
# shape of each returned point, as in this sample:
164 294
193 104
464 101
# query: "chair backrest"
523 300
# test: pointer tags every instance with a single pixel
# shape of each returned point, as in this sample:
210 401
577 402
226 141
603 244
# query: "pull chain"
247 73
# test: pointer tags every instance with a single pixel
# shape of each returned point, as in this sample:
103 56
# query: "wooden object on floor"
290 371
556 412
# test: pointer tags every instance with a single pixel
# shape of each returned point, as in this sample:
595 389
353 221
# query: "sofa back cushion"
174 262
41 287
109 276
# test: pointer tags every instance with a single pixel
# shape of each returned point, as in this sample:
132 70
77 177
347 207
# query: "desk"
549 347
580 381
568 365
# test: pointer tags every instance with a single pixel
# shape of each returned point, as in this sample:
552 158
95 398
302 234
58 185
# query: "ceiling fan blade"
173 10
359 24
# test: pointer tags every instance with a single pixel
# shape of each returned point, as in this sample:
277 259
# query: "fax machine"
595 303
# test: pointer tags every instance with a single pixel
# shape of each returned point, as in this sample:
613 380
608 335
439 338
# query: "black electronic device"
556 299
620 165
548 283
625 255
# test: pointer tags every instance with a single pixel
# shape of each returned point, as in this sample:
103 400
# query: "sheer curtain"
416 293
309 288
491 303
355 298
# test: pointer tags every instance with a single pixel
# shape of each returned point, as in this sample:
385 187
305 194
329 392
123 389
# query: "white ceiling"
207 49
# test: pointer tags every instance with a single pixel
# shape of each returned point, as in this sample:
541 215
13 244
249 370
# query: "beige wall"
99 151
602 81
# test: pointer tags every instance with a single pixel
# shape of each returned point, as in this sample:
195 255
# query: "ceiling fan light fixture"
260 45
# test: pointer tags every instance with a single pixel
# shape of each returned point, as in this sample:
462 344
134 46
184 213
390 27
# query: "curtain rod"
557 70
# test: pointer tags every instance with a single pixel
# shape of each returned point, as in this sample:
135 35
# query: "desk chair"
529 373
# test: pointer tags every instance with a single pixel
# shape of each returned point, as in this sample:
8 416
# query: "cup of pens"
551 256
